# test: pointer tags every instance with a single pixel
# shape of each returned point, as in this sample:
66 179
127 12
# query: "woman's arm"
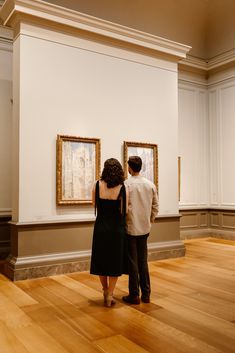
93 194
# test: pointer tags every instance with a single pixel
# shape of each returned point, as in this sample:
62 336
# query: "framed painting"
77 168
148 153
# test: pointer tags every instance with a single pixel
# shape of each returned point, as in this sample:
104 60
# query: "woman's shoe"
110 301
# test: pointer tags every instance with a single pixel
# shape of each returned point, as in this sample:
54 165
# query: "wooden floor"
192 309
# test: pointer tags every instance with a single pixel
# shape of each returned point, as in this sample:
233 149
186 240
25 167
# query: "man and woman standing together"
125 212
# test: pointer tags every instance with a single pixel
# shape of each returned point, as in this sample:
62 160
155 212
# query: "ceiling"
208 26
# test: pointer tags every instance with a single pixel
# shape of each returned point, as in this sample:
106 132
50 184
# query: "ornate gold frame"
179 176
59 167
154 147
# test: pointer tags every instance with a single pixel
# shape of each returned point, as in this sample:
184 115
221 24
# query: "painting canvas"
149 155
78 166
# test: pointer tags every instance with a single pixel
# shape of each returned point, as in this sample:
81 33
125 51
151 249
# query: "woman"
110 200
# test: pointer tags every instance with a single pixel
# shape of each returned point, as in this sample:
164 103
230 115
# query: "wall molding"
72 256
5 212
25 267
17 10
80 219
219 62
39 250
6 38
216 222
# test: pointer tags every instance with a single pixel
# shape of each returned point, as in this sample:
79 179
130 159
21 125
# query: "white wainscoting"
222 127
194 145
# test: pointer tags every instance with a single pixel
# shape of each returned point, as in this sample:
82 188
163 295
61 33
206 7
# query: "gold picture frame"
149 155
179 177
77 168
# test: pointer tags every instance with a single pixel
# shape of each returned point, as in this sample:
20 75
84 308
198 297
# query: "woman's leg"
104 282
111 286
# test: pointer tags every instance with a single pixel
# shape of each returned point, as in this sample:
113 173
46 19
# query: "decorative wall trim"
195 233
224 234
16 273
38 260
39 250
197 63
57 15
52 264
83 219
73 256
53 222
166 245
5 212
217 223
6 38
220 61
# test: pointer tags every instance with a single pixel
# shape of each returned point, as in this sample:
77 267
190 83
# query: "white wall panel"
187 145
67 90
203 142
227 144
193 145
222 127
214 150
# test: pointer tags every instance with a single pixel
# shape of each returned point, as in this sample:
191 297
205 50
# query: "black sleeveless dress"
109 247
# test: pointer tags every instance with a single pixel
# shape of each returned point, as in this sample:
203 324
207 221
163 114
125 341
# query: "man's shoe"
145 299
131 300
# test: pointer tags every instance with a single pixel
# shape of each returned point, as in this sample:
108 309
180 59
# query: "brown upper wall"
206 25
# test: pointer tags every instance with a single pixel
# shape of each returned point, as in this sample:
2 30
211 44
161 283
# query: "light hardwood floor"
192 309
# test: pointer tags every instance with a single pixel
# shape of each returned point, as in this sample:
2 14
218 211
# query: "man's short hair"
135 163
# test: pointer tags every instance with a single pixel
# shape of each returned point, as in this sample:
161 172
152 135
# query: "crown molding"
214 64
222 59
194 62
6 38
14 11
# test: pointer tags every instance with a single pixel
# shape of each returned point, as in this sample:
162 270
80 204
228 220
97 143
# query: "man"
142 211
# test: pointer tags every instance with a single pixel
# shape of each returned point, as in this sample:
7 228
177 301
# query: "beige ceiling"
206 25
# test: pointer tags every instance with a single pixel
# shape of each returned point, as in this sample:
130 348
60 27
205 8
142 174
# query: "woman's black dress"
109 250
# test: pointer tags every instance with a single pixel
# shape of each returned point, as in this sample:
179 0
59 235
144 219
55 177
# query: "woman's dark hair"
135 163
112 173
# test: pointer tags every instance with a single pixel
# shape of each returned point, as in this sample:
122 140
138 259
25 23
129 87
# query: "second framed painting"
148 153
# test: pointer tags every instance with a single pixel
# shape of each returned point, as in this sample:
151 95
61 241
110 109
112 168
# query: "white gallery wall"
222 127
5 120
89 90
205 126
206 141
194 145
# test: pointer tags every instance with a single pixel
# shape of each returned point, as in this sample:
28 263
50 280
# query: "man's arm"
155 204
